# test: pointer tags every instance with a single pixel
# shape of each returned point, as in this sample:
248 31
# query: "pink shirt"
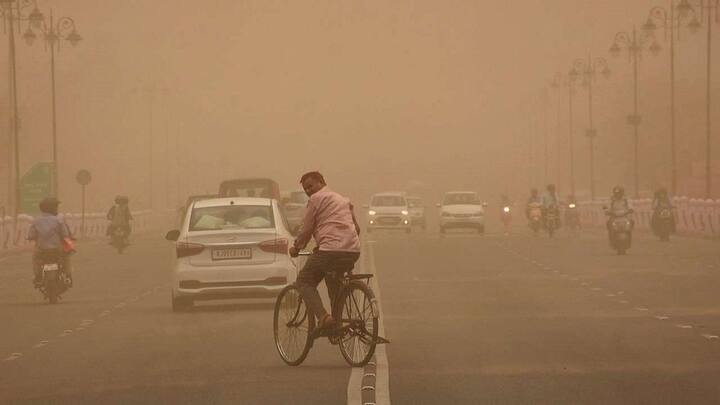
329 219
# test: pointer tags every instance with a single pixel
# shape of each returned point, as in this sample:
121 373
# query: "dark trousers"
324 265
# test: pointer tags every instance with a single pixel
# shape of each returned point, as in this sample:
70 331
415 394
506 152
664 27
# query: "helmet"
49 205
618 191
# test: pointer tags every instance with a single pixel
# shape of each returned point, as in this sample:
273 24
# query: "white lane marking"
134 299
120 305
65 333
104 313
79 328
683 326
40 344
87 322
662 317
641 309
382 379
584 284
610 295
709 336
14 356
596 289
623 301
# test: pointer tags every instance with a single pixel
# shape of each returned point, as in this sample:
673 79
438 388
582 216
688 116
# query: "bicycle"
355 309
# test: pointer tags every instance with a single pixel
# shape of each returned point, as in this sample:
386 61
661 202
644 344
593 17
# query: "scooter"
664 223
119 239
535 217
552 220
572 217
54 280
620 232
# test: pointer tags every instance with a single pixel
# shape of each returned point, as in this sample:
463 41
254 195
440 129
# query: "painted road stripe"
382 377
14 356
709 336
662 317
641 309
40 344
681 326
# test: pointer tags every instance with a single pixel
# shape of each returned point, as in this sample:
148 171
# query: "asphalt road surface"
473 319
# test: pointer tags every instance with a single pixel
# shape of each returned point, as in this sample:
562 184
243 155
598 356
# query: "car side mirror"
173 235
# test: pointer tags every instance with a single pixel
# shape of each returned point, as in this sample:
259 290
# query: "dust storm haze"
420 95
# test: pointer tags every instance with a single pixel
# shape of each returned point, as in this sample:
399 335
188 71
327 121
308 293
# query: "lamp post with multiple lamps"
53 33
588 69
14 12
671 20
709 9
634 45
559 81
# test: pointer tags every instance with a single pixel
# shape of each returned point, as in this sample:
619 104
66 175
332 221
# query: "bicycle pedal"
381 340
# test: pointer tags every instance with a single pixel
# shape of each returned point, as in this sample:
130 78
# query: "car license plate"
51 267
231 253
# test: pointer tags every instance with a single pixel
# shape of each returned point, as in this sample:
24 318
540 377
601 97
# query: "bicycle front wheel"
292 323
359 319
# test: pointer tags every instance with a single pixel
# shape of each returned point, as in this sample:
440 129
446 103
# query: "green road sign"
35 185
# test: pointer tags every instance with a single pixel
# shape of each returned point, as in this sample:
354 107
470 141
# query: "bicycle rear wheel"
359 315
292 323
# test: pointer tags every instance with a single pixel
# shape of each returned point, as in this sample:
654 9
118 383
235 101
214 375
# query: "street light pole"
11 11
52 34
589 69
634 46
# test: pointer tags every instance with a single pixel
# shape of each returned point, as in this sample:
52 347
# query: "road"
472 319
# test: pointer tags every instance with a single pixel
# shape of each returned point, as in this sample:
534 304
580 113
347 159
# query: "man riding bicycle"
329 218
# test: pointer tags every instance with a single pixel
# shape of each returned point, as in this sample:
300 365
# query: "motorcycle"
119 239
572 217
620 230
54 280
535 216
664 223
551 220
506 217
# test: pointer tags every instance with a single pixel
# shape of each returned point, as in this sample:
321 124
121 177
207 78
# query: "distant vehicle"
231 248
250 187
462 209
294 206
389 211
417 212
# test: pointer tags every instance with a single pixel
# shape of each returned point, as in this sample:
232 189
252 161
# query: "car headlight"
506 209
404 212
371 212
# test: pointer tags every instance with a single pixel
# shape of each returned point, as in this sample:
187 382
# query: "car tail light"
275 246
185 249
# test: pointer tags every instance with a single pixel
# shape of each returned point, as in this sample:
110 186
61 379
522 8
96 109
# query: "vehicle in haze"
231 248
506 217
54 280
294 205
119 239
250 187
462 209
389 210
552 219
535 216
664 223
417 212
572 216
620 229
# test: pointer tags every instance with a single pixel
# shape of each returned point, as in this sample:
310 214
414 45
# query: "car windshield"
231 217
461 199
388 201
298 197
414 202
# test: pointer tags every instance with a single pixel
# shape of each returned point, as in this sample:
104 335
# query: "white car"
389 211
462 209
233 247
294 207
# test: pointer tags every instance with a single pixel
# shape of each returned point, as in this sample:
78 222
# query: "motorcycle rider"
571 214
48 231
661 201
506 212
618 203
119 216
